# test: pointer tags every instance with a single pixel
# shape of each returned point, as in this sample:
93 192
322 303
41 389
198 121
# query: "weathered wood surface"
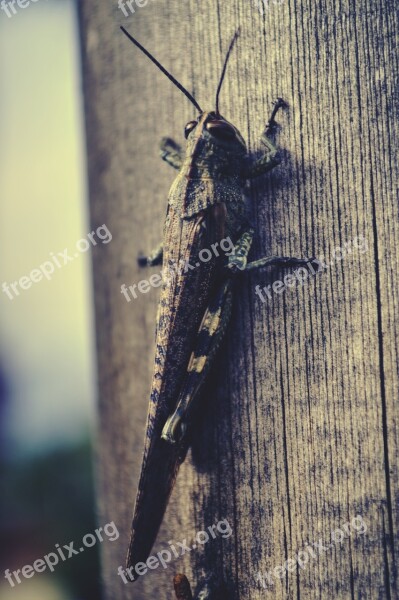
301 431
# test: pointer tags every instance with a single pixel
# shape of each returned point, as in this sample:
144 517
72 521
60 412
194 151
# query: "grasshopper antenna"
161 68
226 60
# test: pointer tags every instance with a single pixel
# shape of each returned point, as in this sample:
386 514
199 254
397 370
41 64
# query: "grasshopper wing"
185 295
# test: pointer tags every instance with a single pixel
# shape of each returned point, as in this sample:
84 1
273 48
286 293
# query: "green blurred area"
47 387
47 500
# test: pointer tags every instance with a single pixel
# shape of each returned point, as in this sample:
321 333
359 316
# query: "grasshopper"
206 204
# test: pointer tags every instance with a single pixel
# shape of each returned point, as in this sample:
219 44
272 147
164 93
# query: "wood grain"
299 431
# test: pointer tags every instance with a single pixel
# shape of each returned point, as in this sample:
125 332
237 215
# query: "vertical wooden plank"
299 433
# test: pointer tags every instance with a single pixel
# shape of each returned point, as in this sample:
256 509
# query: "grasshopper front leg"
171 153
271 158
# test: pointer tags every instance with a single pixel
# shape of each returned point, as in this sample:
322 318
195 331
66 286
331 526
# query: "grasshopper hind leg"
209 337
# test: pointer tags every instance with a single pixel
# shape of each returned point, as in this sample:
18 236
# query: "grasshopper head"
212 127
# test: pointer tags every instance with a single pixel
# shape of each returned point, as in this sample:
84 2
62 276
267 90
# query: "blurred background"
47 379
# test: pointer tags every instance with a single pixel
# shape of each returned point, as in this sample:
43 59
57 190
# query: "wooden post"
300 432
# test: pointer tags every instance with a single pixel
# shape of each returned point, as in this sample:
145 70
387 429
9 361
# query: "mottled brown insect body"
196 219
206 207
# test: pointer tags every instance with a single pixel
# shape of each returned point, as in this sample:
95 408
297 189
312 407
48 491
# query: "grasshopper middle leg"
238 260
278 261
153 259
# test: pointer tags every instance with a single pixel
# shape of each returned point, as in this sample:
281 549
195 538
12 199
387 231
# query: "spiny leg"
279 261
171 153
269 160
210 334
238 260
153 259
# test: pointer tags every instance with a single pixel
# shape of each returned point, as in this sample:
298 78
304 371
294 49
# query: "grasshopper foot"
271 124
142 260
155 258
315 263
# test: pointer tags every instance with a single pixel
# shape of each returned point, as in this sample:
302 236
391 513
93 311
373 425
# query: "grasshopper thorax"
211 172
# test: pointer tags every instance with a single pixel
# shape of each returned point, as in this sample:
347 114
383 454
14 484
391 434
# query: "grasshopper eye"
221 130
189 127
